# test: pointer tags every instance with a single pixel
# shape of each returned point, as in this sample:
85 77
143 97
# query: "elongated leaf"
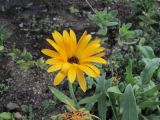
151 91
101 84
90 99
62 97
153 117
114 90
129 105
149 69
89 106
129 75
102 107
147 51
158 75
149 104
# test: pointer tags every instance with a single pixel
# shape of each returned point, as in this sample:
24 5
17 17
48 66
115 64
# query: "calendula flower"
74 58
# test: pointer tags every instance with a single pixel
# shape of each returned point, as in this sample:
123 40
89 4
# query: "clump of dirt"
25 88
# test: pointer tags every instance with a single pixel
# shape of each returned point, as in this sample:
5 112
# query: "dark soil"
30 22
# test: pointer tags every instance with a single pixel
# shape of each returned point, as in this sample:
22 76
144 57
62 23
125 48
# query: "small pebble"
18 115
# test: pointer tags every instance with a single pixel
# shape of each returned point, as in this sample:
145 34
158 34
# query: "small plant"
3 37
104 19
48 104
127 36
144 5
25 59
40 63
125 33
3 88
49 3
73 10
28 111
148 19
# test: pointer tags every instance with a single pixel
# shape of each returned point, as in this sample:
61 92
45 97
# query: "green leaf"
102 31
90 99
89 106
129 75
153 117
114 90
158 74
146 51
102 107
129 105
1 47
149 69
112 23
151 91
5 116
62 97
101 84
149 103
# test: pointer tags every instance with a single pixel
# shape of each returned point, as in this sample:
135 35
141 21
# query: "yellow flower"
74 58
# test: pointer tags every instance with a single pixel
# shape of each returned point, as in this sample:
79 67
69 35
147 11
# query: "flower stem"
90 6
72 94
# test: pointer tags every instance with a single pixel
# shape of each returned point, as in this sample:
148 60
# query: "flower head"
81 114
74 58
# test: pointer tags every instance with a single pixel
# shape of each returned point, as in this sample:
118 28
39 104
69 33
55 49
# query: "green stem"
90 6
72 94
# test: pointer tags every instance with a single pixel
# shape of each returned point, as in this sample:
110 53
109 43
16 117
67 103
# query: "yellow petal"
73 36
53 44
82 45
67 42
58 38
72 74
88 70
100 49
81 80
50 53
58 49
53 61
54 68
90 49
94 68
65 67
94 59
82 37
73 42
100 54
93 43
92 52
59 78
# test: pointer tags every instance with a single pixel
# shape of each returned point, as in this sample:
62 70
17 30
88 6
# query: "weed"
127 36
25 59
49 3
48 104
3 88
3 36
73 10
104 19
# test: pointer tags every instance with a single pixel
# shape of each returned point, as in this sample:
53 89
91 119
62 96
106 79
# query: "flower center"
73 60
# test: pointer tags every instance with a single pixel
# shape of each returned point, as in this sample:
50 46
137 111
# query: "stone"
17 115
12 106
